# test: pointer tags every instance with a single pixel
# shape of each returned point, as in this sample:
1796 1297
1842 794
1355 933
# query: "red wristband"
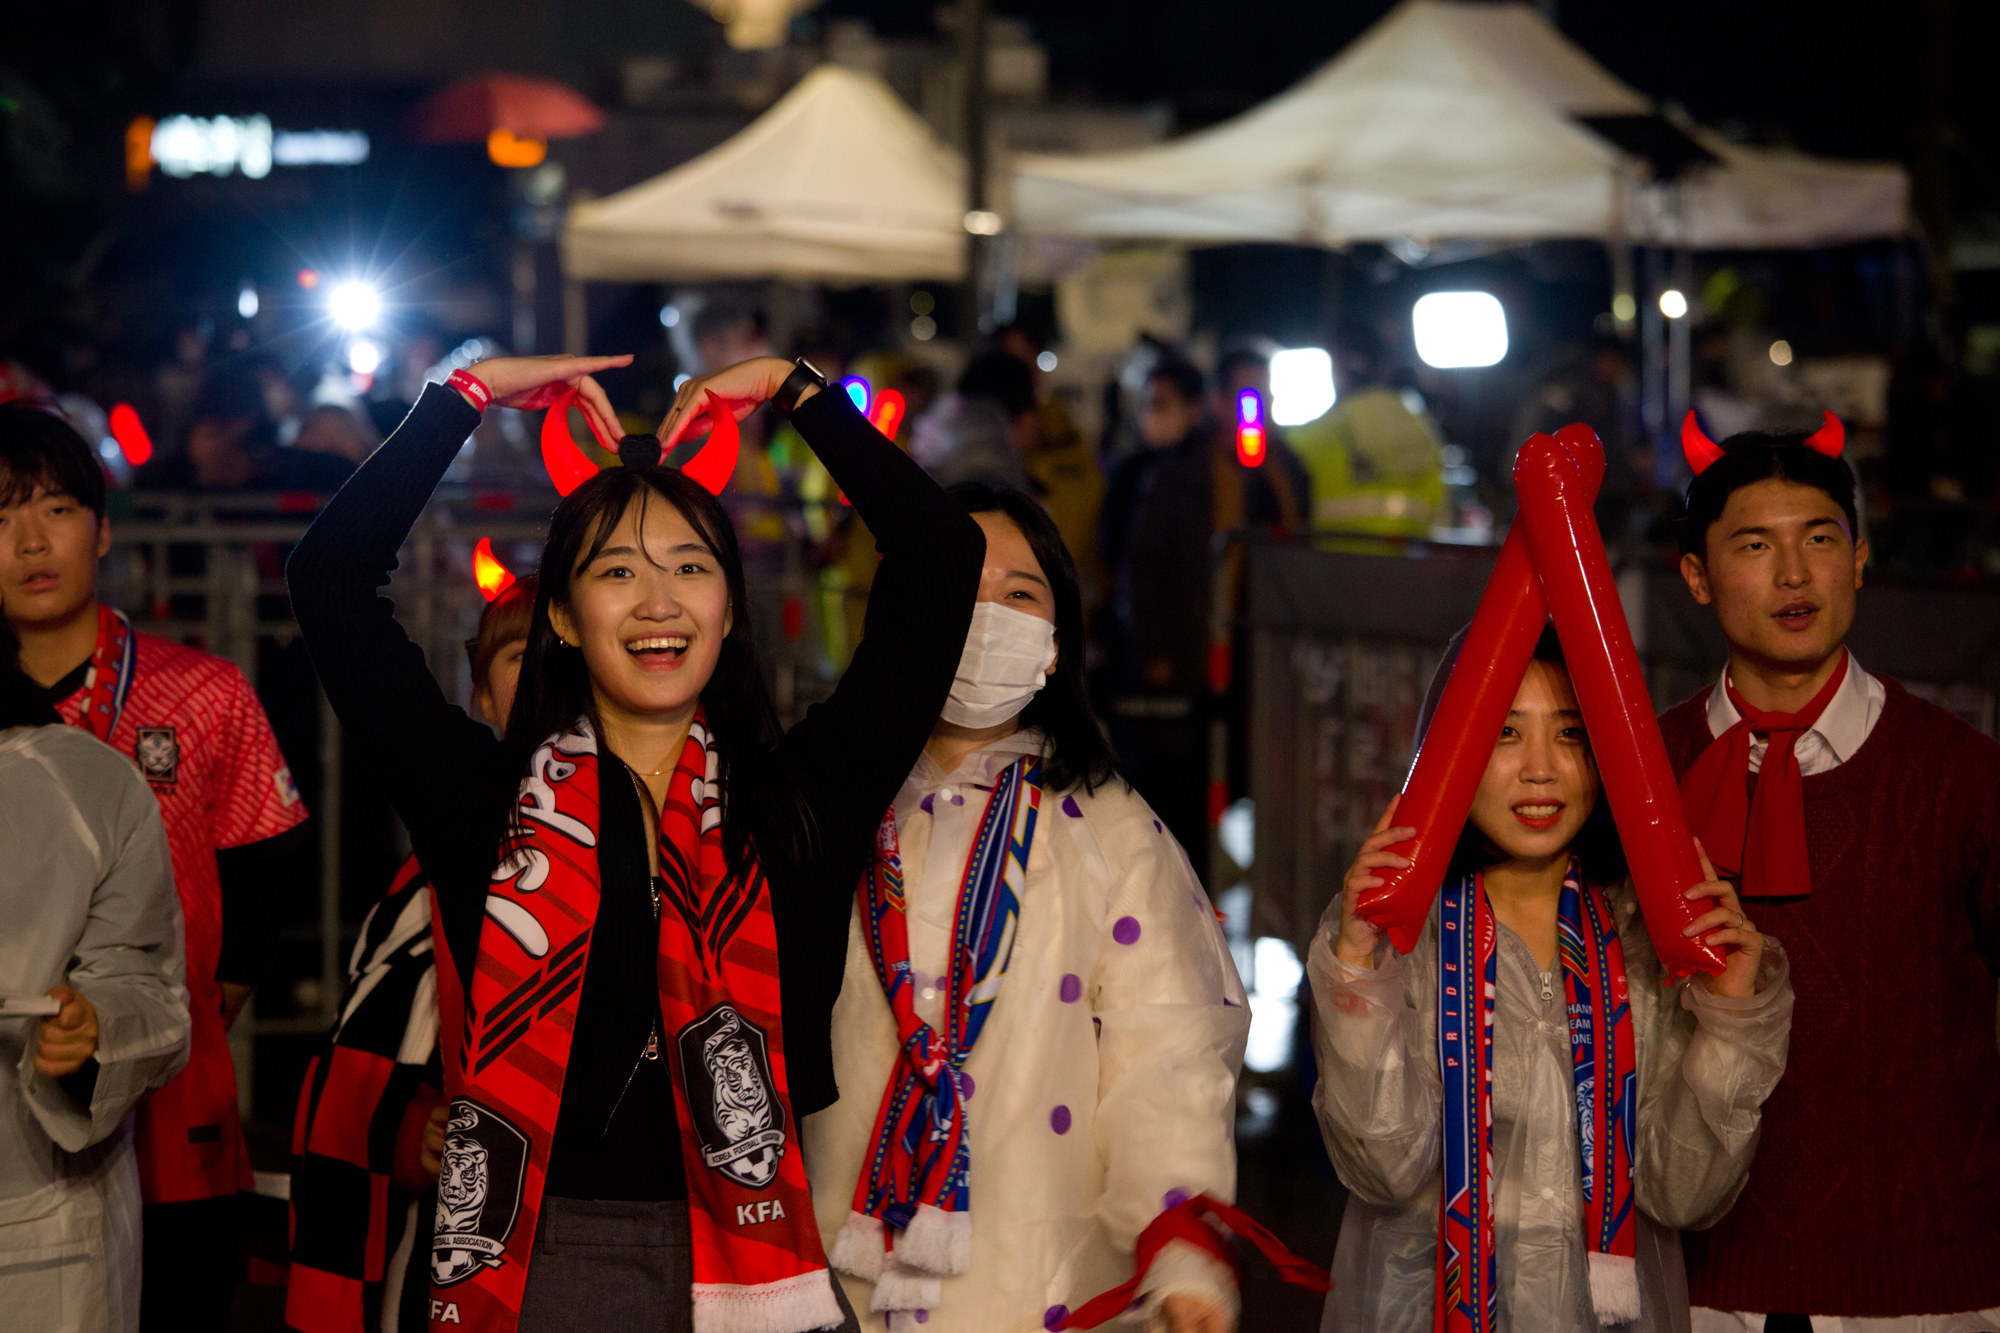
463 381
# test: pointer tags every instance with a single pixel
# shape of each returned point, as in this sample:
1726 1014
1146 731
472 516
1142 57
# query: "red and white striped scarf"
758 1265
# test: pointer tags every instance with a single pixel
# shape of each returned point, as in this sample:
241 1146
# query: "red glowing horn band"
492 577
716 463
567 465
126 428
1702 452
1829 439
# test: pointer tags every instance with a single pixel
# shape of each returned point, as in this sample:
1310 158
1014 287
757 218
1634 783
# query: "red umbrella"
470 110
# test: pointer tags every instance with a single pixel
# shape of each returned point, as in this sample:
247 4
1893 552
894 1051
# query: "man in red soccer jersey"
194 727
1864 824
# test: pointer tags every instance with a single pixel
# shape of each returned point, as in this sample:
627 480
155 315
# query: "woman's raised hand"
745 386
1739 971
532 382
1356 943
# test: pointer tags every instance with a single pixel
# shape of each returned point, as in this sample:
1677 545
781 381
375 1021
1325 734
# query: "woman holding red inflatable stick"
1522 1111
644 886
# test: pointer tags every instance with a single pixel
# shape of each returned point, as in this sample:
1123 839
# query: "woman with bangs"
645 884
1523 1114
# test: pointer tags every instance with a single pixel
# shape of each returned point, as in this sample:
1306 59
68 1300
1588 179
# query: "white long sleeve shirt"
1103 1084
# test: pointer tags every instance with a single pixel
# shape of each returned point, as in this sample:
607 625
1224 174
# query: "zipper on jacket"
1548 985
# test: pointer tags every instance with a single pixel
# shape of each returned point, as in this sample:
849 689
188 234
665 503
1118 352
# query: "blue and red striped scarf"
1605 1069
910 1225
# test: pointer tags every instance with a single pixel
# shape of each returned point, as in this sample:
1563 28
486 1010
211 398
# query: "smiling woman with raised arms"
644 885
1523 1115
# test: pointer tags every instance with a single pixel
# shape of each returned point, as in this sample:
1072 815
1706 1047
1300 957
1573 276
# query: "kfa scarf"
910 1224
109 681
1762 838
758 1266
1605 1070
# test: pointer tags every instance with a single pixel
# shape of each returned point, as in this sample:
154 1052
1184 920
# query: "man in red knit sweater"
1864 824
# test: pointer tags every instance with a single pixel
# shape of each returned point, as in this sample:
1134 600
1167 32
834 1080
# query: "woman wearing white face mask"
1039 1033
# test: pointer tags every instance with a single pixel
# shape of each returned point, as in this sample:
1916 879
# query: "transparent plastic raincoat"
1103 1084
1706 1063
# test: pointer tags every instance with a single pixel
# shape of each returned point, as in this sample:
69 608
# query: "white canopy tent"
838 182
1452 120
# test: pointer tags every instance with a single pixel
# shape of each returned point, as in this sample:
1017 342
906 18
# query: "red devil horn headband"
1702 452
1829 439
568 467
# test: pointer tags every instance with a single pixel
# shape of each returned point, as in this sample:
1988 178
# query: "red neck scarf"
1761 838
97 706
758 1266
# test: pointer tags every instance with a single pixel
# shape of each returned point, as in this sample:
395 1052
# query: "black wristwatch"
804 376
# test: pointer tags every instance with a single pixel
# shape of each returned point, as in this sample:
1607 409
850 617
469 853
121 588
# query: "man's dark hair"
236 394
1005 379
1755 456
40 449
1181 375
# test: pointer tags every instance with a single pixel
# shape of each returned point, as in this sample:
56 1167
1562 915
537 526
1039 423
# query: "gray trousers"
608 1263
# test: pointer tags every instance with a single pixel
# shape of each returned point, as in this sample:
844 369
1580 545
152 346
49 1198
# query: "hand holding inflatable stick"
1553 560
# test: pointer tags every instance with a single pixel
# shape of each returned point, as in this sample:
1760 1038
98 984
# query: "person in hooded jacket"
1037 982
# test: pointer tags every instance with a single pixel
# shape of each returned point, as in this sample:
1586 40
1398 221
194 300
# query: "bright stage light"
1460 330
354 306
246 302
1672 304
1301 385
363 357
1046 361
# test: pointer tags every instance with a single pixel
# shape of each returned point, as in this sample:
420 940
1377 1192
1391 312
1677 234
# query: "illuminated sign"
186 146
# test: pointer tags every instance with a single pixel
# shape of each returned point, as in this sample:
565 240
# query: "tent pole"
972 56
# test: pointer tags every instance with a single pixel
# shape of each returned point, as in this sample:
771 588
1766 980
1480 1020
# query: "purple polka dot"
1059 1120
1157 828
966 1086
956 799
1072 988
1054 1315
1071 808
1126 930
923 1316
927 802
1173 1198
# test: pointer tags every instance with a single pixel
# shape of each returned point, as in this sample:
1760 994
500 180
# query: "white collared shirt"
1831 741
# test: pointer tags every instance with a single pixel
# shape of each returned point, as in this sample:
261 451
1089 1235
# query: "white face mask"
1007 658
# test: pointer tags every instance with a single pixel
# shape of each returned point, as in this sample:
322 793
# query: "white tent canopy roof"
838 182
1450 120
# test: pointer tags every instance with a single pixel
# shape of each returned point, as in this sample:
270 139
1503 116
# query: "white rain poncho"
1706 1063
1103 1084
87 898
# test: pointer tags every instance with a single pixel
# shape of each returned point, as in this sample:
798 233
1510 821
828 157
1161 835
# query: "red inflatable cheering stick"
1625 738
1498 646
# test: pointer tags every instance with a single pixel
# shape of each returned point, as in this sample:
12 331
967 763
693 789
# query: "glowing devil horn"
1702 452
1829 439
492 577
567 466
716 463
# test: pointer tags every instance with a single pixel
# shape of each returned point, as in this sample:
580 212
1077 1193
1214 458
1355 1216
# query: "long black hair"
1596 844
1078 754
555 684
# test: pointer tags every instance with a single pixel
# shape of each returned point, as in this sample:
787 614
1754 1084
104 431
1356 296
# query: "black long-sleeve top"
451 780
